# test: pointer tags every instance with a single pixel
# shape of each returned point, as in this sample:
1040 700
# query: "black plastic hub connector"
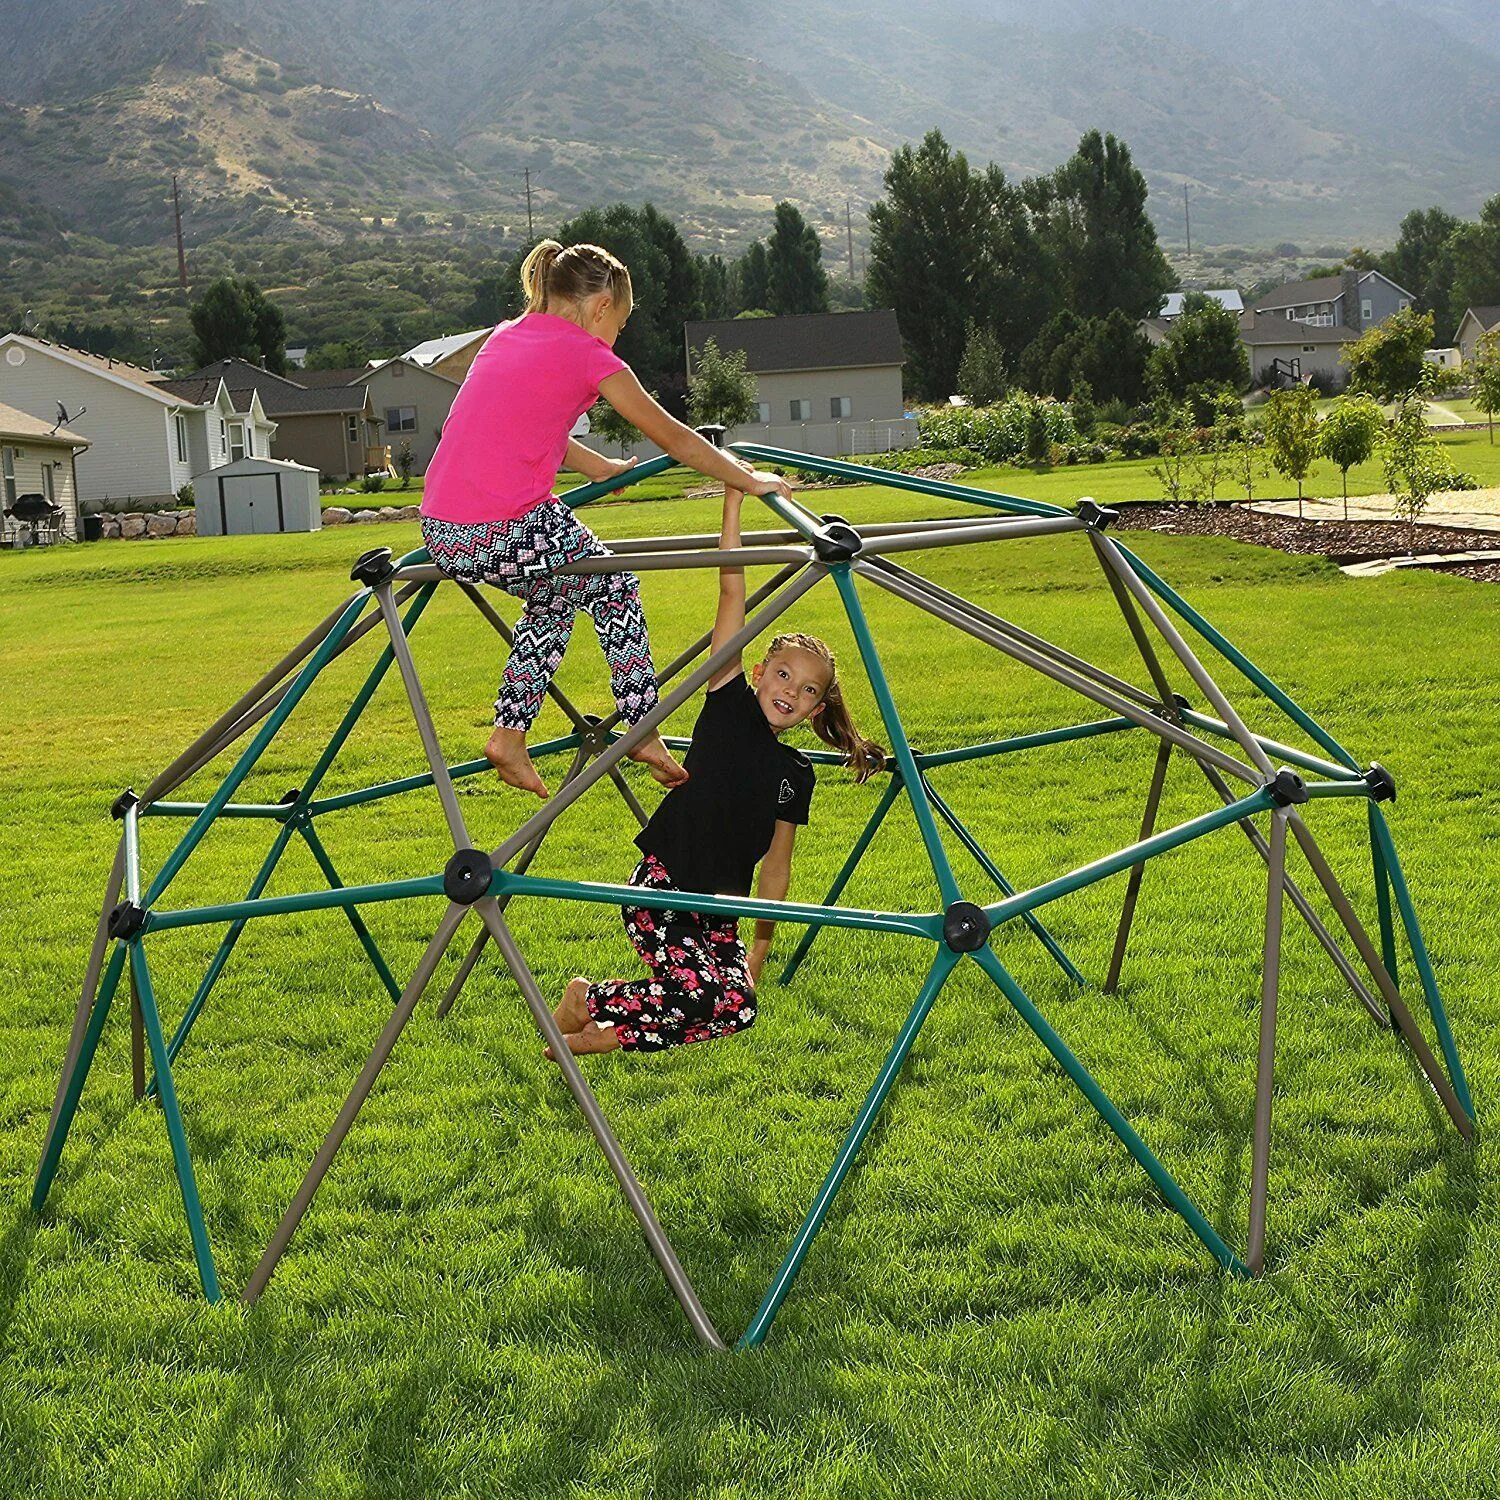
713 432
466 877
289 796
1381 783
126 920
1181 700
123 803
837 541
1095 516
373 568
829 515
966 929
1287 787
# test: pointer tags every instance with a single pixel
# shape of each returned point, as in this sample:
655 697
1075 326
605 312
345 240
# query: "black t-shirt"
712 831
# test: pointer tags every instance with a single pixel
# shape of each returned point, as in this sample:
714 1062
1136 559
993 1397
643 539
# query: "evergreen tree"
754 277
713 282
234 320
1203 353
794 264
981 372
1422 262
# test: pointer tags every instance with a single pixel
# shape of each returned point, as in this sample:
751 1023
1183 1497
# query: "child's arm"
628 397
593 465
775 877
731 615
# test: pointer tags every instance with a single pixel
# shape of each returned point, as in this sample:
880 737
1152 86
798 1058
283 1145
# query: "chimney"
1349 286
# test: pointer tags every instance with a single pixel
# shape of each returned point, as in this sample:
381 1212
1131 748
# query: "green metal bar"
1024 742
916 925
280 906
357 922
47 1168
1321 790
278 810
991 869
684 742
900 748
1383 902
1234 655
182 1159
1159 843
781 1284
1063 1055
267 731
796 516
225 948
415 782
1423 961
857 853
941 488
1274 748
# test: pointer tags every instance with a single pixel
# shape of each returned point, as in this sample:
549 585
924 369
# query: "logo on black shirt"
786 793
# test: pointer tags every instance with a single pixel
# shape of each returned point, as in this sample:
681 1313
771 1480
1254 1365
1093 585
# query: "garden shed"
257 495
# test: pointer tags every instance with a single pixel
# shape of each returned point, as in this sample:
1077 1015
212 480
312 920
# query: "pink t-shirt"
507 431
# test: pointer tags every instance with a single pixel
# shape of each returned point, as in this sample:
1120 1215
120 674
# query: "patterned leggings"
699 987
521 557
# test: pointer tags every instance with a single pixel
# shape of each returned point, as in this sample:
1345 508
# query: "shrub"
186 495
1006 433
372 484
919 458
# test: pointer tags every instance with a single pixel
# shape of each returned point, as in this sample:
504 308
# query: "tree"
234 320
605 422
754 278
1106 354
721 388
1416 467
981 372
1388 360
713 281
1485 377
1475 249
1348 434
1291 430
1202 352
406 461
794 265
1094 225
1422 262
1178 445
345 354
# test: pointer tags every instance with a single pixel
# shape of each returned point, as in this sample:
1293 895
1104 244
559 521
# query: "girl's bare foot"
572 1013
654 755
506 752
590 1038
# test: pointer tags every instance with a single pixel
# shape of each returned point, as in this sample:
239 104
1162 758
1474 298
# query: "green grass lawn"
1000 1304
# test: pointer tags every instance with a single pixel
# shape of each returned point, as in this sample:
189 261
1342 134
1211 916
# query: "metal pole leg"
1383 899
1133 882
357 922
1265 1068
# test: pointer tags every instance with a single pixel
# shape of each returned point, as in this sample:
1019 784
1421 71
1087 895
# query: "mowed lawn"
1000 1304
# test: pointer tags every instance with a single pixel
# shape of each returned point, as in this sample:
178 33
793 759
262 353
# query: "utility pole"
181 255
1187 219
849 230
529 230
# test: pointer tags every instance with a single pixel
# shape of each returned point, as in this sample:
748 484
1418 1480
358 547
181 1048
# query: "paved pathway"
1475 510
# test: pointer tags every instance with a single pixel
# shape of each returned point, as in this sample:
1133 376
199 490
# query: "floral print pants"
700 984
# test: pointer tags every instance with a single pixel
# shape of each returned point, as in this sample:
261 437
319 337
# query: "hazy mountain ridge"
1285 119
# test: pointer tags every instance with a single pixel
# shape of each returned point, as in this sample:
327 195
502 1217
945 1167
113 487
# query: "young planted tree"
1248 460
1388 360
1176 468
1291 431
1416 467
721 389
1216 443
605 422
1348 434
406 462
1485 378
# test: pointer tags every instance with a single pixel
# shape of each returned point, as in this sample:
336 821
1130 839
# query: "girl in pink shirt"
489 514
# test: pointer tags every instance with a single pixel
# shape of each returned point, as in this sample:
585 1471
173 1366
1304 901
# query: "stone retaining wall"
134 525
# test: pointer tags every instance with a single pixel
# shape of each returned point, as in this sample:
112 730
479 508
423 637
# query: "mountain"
1283 118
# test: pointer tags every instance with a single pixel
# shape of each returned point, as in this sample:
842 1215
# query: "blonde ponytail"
835 725
551 274
534 274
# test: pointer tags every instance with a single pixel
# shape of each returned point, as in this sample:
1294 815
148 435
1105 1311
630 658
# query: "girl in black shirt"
745 795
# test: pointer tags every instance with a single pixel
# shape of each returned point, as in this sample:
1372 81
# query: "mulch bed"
1339 541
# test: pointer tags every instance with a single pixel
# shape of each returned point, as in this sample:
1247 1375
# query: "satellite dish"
63 418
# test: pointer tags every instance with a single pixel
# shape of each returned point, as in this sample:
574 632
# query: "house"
411 401
37 458
1225 296
145 440
1284 353
450 356
827 383
1360 300
1475 323
333 429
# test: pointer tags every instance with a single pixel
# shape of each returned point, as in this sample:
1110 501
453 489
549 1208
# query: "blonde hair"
835 726
551 274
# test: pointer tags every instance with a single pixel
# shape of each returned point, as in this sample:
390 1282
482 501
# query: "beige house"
1475 323
1287 353
410 401
827 383
37 459
450 356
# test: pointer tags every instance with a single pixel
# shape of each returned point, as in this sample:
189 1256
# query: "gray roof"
295 401
429 351
1295 293
1486 317
237 374
1265 328
805 341
318 378
1225 296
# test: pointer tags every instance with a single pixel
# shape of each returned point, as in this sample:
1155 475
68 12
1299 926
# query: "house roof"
316 379
1225 296
297 401
238 374
1295 293
1486 317
279 397
805 341
17 424
432 350
117 370
1262 328
376 366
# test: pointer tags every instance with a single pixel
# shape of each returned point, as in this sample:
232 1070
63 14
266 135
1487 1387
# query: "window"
8 474
840 406
401 419
763 410
1403 304
1308 348
179 422
801 410
1291 315
236 441
1366 312
353 429
49 485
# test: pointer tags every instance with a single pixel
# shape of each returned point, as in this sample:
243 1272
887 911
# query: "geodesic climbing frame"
1277 782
